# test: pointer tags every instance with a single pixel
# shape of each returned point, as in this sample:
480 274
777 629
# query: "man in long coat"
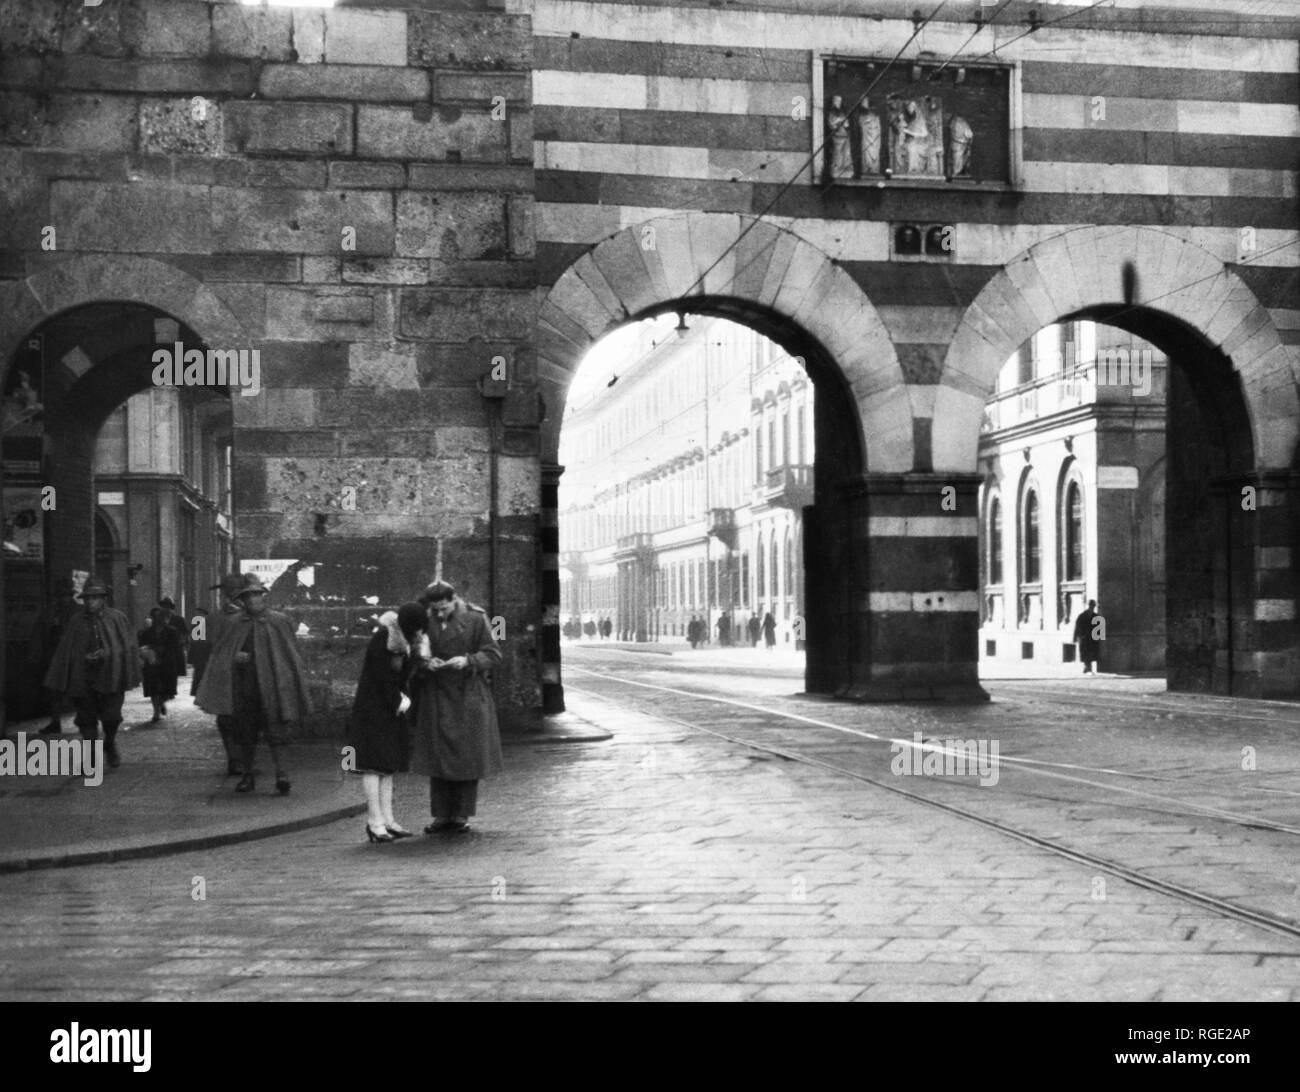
215 624
97 660
1086 634
256 676
457 741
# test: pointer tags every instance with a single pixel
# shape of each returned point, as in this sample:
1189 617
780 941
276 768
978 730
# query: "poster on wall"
24 523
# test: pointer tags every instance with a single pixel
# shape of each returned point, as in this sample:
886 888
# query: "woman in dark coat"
769 630
378 730
160 649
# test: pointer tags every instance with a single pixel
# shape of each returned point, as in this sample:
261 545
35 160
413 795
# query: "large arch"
96 278
786 288
1232 429
1084 270
701 256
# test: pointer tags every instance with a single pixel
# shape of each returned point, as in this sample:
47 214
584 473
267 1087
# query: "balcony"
639 546
789 485
722 526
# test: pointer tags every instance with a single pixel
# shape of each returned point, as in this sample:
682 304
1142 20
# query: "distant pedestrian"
606 628
96 662
1088 630
769 631
754 628
171 618
723 627
457 738
160 652
693 631
256 676
589 629
379 727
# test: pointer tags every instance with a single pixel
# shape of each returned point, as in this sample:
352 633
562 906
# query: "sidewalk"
171 793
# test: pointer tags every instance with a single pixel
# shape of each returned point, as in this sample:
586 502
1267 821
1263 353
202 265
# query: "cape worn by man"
118 670
281 675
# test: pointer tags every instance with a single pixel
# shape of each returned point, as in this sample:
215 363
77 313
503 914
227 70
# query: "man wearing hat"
97 660
168 606
256 676
456 740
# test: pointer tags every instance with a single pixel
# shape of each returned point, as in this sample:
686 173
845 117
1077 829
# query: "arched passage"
788 290
1231 432
90 324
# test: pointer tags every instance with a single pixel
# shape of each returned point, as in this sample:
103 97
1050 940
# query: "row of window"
1030 542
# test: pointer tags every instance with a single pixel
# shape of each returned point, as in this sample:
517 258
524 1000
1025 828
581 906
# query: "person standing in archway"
1087 632
457 738
96 662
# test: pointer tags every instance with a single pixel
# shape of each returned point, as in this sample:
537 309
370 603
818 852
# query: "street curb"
560 728
70 858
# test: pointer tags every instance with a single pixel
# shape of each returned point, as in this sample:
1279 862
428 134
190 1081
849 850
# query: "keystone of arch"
1083 268
671 258
96 278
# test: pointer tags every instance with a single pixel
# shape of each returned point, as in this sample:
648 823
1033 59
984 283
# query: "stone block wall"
355 186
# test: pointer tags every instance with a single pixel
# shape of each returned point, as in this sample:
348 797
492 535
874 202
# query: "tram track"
1223 907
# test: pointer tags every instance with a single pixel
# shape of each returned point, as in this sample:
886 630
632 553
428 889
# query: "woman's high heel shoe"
398 832
372 836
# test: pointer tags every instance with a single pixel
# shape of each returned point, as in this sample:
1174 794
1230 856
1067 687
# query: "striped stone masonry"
913 625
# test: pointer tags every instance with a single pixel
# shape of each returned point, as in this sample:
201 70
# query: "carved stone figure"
869 139
960 139
915 141
934 129
841 151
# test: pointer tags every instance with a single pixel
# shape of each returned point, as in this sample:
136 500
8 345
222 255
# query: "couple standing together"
427 667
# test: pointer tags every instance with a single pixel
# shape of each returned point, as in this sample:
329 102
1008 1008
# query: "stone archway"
1083 269
1233 426
85 280
673 259
97 278
782 285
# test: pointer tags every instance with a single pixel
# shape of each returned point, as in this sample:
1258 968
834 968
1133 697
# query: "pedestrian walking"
753 627
256 676
606 628
1087 632
171 618
379 727
215 624
96 662
457 738
693 630
589 629
769 631
160 653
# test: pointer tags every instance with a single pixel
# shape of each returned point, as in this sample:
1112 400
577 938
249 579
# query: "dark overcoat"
118 670
1089 646
160 676
281 675
456 733
379 733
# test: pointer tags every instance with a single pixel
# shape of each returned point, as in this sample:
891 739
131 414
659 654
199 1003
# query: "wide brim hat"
94 586
251 583
230 584
167 602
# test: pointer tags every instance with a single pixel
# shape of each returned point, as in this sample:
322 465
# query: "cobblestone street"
665 863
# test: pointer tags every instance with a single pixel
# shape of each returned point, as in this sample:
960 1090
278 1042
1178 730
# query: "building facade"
1073 503
684 486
